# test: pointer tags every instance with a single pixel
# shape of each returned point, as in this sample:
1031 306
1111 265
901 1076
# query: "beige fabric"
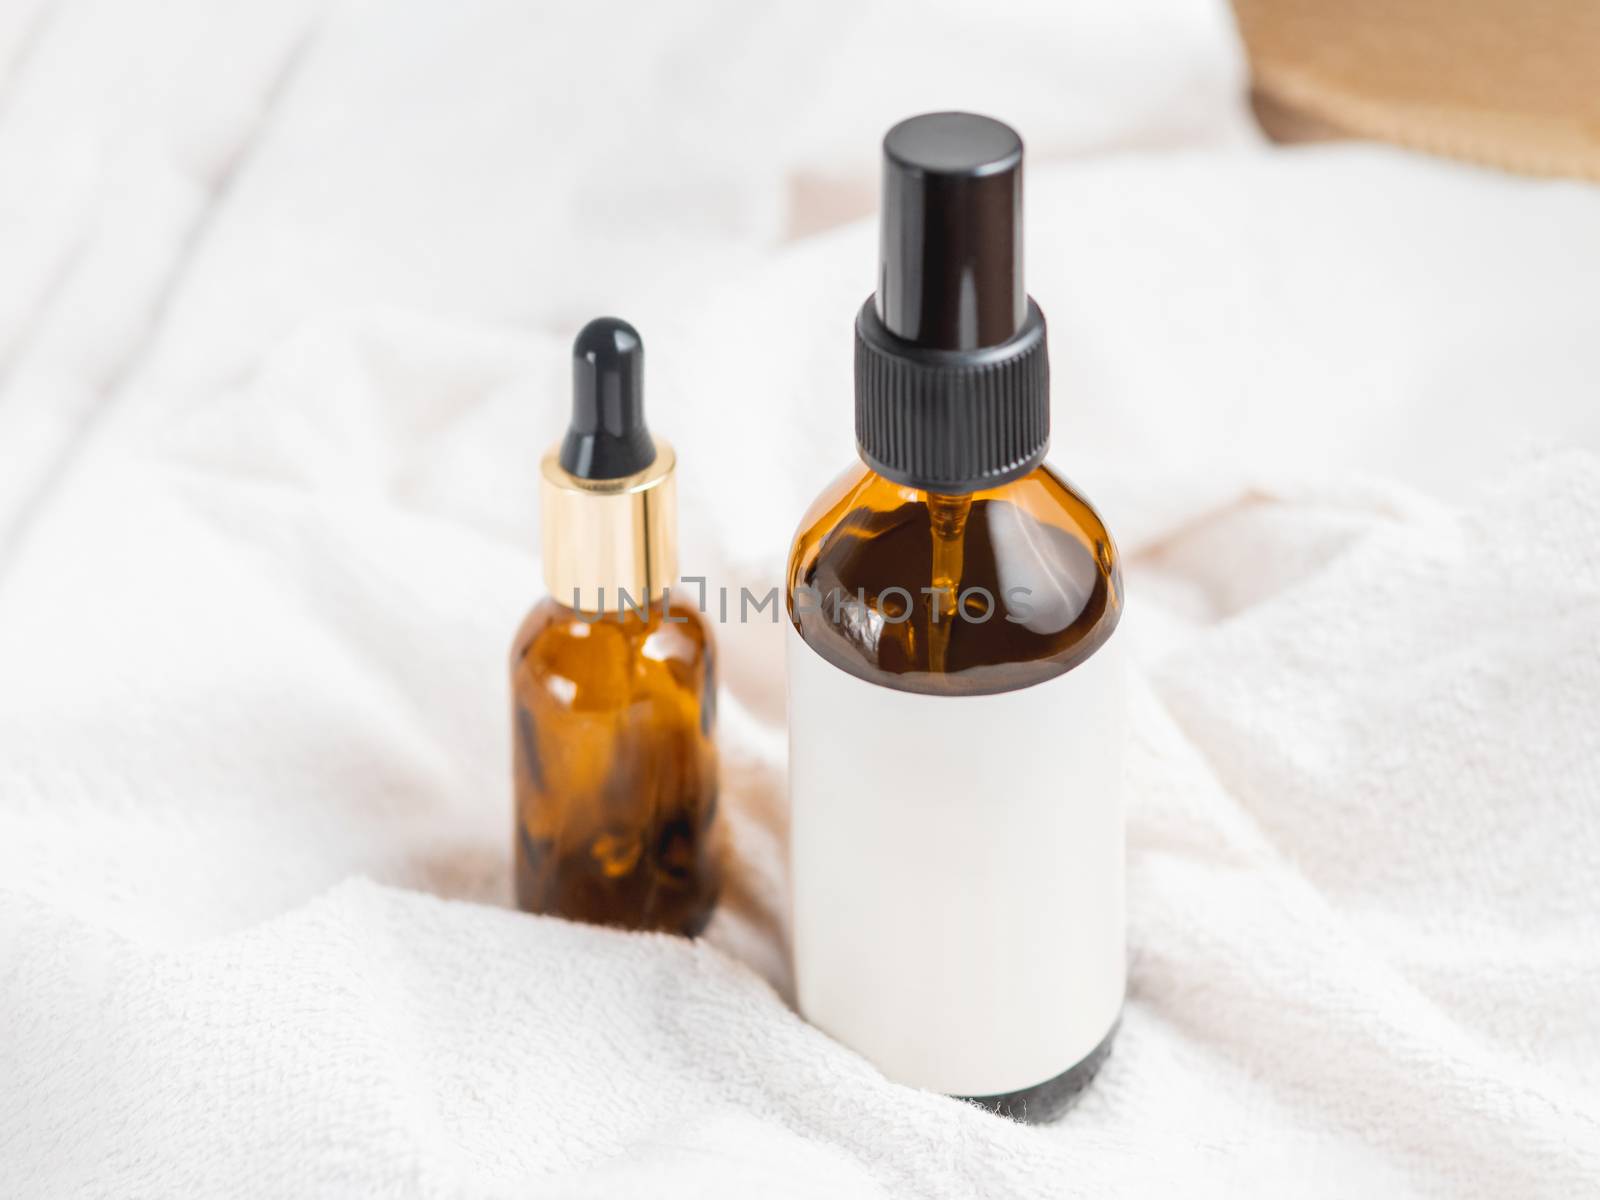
1513 84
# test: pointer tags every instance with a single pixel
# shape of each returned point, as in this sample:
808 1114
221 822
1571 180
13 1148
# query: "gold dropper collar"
609 543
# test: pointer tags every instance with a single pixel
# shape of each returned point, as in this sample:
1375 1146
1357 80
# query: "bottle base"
546 885
1048 1100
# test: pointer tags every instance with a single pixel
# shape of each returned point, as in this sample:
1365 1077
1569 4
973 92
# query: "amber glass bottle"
955 705
613 681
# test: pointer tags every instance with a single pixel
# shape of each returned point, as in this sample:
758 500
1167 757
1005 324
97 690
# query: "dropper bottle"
613 680
955 702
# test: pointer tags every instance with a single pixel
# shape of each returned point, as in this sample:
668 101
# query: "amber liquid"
615 767
954 595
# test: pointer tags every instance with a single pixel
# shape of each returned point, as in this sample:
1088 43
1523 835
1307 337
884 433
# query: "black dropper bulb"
950 258
607 437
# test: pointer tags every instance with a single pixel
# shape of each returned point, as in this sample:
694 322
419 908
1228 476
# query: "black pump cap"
607 437
950 258
952 366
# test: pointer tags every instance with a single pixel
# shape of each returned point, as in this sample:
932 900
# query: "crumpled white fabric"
283 331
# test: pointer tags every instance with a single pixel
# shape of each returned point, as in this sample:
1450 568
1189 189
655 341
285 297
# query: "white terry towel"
261 551
1363 922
